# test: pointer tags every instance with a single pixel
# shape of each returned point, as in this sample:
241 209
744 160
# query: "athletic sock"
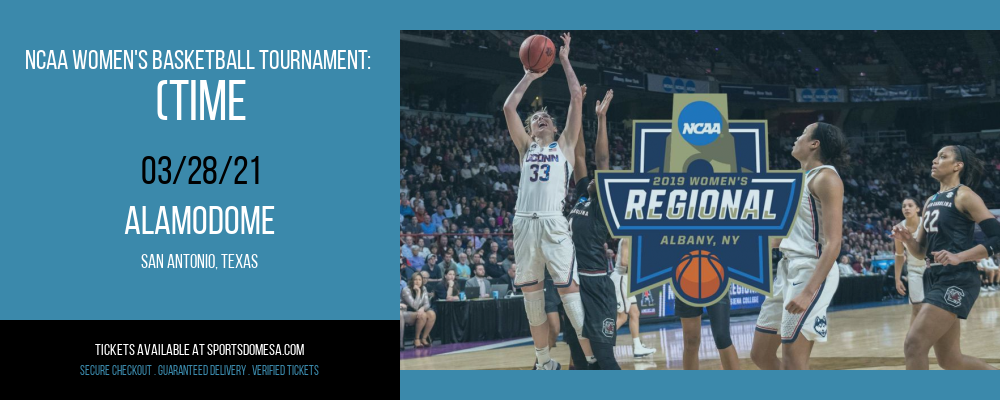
542 355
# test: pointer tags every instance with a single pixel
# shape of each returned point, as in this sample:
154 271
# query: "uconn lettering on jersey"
537 157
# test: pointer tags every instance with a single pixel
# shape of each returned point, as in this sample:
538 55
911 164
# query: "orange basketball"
699 274
537 53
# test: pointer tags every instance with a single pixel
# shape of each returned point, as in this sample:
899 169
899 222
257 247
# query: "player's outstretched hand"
564 49
602 106
901 233
531 75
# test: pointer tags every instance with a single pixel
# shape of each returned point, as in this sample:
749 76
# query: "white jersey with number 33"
544 180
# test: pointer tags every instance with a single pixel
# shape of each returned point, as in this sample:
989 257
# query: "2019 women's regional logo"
700 202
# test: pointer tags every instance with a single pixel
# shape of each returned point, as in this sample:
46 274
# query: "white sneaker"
552 365
641 351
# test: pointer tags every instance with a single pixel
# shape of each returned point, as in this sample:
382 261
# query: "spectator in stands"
449 288
431 268
493 269
845 267
438 217
418 310
495 250
407 248
411 226
404 206
405 270
464 272
480 281
417 260
508 261
447 261
428 227
861 266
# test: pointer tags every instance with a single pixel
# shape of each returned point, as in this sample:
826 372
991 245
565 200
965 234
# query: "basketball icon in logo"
699 275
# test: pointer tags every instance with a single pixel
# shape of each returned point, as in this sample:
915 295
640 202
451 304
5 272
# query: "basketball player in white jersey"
795 315
541 232
914 265
627 308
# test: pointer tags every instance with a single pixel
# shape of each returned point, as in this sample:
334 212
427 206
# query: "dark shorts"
953 288
718 310
552 299
597 293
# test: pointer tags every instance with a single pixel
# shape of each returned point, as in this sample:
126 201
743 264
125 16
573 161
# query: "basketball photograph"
699 199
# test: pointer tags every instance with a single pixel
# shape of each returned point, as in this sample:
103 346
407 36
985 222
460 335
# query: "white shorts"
915 283
541 243
793 274
620 291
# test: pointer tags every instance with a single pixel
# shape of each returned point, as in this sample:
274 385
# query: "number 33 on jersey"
544 179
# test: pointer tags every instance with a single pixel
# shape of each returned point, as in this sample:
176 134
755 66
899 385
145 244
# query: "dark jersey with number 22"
946 227
589 231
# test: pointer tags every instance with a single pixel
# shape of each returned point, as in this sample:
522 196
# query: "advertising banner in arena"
820 95
861 94
756 92
615 78
960 91
673 84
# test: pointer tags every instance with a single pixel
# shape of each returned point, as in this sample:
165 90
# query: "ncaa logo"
820 95
700 123
807 95
832 95
679 85
690 87
668 84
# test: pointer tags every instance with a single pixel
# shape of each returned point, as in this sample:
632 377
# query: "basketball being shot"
699 200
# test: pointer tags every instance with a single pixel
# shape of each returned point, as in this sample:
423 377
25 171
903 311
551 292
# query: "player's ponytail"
973 168
832 145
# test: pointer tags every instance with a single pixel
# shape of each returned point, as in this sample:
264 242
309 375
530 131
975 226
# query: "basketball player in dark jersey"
590 233
951 280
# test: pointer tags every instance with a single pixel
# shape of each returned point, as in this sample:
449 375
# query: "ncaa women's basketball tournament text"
195 100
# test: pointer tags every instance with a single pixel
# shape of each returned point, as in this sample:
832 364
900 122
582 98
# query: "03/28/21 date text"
158 170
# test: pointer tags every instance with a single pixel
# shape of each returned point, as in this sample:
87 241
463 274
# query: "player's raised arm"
580 154
601 154
574 119
514 124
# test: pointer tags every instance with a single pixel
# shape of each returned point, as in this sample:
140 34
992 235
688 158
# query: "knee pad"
534 306
574 311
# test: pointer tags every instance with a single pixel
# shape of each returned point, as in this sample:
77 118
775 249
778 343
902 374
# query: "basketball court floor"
868 336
